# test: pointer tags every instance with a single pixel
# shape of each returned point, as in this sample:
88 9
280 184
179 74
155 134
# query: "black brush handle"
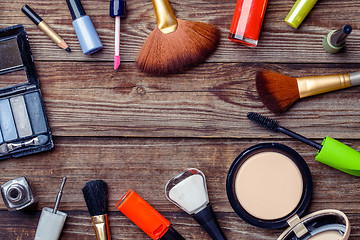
299 137
206 218
172 234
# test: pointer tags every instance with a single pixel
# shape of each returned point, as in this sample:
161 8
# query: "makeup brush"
175 45
330 152
95 195
6 148
278 91
188 191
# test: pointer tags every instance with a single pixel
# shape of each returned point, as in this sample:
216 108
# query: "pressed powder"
269 185
328 235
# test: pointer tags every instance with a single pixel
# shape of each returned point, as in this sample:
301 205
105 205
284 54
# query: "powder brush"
95 195
175 45
330 152
278 91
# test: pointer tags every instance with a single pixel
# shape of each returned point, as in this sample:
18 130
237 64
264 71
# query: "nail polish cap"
118 8
299 11
76 9
340 156
50 224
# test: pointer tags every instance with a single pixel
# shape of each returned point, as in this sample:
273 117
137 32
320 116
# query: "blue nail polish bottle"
84 28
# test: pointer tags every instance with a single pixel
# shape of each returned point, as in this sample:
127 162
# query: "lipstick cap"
118 8
50 224
340 156
299 11
143 215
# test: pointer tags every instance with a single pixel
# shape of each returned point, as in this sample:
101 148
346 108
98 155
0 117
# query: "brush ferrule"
309 86
355 78
165 16
101 227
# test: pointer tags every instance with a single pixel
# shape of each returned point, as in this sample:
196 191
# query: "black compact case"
24 128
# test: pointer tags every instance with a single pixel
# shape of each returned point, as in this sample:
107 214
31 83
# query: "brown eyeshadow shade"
269 185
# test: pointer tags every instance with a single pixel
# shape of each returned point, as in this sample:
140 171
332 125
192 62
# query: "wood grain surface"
138 131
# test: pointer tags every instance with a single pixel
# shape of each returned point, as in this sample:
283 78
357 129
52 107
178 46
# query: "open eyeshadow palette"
24 128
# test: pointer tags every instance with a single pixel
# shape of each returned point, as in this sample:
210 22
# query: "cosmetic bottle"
299 12
84 28
17 194
247 21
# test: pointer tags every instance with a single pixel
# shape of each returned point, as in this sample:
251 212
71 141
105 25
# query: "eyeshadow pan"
36 112
269 185
9 54
7 122
21 117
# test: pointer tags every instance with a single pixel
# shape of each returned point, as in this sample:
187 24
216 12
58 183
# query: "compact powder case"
24 128
269 185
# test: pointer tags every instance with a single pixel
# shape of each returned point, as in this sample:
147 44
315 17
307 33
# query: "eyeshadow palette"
24 128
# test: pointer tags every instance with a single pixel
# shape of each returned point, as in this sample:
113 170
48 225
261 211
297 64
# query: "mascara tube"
84 28
146 217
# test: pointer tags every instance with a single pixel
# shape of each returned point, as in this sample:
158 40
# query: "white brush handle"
355 78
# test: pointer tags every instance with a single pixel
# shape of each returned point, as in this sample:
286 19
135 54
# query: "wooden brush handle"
165 16
355 78
309 86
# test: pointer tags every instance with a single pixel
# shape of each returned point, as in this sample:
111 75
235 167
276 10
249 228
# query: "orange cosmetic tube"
146 217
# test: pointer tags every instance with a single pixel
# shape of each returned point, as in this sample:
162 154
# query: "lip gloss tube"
247 21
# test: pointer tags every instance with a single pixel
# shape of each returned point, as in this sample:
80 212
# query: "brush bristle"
262 121
175 52
95 195
277 91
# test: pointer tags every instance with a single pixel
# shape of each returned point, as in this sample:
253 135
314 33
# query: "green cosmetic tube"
340 156
299 11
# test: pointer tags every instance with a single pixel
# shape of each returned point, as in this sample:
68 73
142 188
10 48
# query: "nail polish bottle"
84 28
247 21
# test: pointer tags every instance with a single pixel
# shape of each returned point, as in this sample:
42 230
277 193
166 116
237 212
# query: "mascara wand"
330 152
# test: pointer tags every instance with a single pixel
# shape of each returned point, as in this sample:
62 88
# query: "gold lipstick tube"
165 17
309 86
101 227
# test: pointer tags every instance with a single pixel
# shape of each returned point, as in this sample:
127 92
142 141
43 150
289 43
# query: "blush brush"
278 91
175 45
330 152
96 196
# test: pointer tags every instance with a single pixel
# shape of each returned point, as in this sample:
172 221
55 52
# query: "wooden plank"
278 41
209 101
145 165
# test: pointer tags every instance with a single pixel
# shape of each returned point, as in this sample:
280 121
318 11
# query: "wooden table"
137 131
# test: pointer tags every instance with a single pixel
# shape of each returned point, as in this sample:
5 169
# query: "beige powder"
269 185
328 235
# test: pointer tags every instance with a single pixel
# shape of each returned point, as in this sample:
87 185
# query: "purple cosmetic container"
84 28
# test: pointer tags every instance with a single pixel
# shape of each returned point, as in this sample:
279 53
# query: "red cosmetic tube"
146 217
247 21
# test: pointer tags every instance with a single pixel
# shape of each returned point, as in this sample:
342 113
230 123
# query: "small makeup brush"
175 45
278 91
330 152
96 196
6 148
188 191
